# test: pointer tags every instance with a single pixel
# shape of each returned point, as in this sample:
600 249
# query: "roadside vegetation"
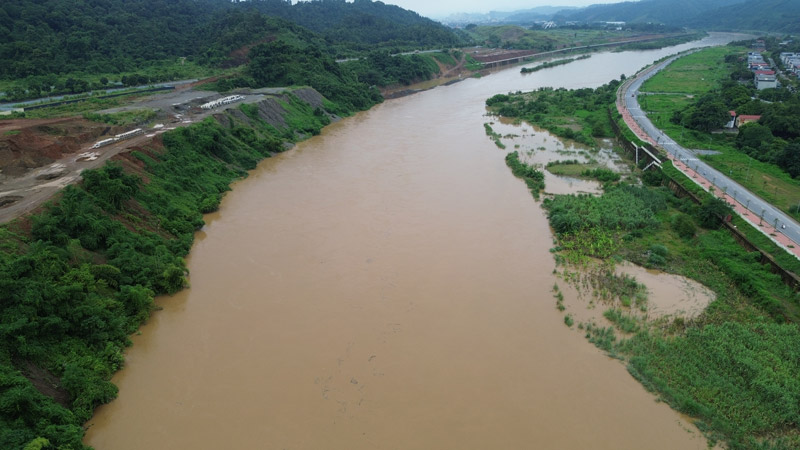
78 277
691 100
734 367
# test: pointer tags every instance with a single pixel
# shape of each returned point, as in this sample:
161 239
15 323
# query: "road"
769 219
8 106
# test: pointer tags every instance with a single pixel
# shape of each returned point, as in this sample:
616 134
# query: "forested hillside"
672 12
779 16
55 47
731 15
362 24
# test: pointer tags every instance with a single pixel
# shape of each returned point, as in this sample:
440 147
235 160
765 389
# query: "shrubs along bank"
80 276
734 367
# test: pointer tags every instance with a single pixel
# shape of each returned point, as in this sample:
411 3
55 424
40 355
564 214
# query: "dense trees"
708 113
379 68
284 63
55 47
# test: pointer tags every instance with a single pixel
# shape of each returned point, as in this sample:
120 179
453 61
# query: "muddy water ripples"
385 285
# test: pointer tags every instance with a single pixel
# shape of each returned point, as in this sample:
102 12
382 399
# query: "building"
743 119
791 61
766 82
732 122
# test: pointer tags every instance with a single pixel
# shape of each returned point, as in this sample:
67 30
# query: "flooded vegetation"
671 342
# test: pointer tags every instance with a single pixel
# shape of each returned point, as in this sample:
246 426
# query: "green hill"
671 12
777 16
782 16
56 47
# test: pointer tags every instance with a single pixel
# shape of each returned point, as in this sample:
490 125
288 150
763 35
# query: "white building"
766 82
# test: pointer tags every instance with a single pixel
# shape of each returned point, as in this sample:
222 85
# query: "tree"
712 212
708 114
789 160
683 225
752 137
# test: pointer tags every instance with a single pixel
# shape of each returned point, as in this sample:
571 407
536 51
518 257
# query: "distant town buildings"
791 62
764 75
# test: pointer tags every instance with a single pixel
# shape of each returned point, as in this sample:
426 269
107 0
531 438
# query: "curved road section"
768 219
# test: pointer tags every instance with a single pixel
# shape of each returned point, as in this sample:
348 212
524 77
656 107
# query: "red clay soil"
27 144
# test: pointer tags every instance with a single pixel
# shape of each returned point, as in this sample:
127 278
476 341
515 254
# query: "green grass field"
694 74
697 74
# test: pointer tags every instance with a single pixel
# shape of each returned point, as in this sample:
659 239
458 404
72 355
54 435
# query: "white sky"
441 8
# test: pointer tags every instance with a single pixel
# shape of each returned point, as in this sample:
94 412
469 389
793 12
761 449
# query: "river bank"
679 354
81 274
399 303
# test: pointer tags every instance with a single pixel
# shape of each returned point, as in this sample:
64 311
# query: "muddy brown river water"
385 285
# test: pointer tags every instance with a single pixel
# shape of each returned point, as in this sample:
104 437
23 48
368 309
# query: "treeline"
733 368
379 68
78 278
52 47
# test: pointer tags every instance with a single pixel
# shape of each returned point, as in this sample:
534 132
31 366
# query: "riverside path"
765 217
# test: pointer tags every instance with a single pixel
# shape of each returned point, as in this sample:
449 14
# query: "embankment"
80 276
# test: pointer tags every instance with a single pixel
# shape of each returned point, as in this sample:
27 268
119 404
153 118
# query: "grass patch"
623 321
444 58
765 180
494 136
696 73
533 178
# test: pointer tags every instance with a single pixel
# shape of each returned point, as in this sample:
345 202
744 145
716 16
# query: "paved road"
705 175
7 106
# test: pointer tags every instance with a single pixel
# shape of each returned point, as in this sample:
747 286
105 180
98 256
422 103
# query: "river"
384 285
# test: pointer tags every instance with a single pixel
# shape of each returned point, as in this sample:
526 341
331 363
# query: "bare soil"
39 157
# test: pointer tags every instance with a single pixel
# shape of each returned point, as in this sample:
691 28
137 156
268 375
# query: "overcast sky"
441 8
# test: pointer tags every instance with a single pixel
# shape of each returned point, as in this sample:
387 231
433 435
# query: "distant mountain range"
671 12
782 16
741 15
523 16
777 16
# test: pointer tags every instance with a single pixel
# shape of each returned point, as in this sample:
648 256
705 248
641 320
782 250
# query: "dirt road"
24 187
